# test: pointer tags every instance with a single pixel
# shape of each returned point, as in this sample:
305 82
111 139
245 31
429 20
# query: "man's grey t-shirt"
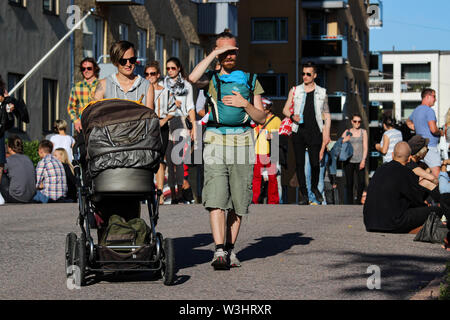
22 176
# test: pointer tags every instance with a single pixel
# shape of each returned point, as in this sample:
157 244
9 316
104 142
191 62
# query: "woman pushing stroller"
125 84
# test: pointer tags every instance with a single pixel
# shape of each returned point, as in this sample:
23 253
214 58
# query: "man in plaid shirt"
83 91
51 180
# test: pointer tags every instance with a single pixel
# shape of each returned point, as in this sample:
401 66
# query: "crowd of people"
232 117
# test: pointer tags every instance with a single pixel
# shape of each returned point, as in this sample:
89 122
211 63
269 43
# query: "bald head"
402 151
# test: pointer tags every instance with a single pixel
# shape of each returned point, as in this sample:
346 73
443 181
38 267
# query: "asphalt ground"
288 252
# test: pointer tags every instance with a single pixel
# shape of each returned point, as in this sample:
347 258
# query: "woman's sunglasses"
171 68
84 69
146 74
123 62
356 121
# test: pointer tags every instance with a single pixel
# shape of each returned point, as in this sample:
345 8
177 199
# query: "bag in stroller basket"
121 134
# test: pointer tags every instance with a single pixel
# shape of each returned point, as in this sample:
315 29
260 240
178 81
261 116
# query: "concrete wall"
444 86
27 35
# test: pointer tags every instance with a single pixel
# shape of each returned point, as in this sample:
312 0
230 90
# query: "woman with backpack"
181 102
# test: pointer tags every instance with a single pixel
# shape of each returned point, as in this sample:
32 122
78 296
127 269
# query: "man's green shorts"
228 174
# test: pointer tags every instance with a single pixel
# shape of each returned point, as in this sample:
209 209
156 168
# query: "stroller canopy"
121 134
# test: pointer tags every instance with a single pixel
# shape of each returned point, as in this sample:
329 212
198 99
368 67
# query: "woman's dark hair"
388 121
15 144
178 64
94 63
356 115
153 64
118 49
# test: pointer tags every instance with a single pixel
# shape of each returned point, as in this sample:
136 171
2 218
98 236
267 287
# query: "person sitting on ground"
391 137
419 149
61 155
50 176
18 184
394 202
62 139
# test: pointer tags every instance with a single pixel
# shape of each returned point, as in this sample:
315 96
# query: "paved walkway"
288 252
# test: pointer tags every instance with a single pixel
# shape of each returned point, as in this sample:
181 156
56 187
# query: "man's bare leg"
233 227
217 220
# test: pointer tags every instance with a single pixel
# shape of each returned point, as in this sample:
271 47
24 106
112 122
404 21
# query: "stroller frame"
82 253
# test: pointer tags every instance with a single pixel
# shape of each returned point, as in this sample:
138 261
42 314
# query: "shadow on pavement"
187 251
401 275
271 246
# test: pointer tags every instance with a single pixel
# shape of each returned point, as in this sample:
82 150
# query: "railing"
381 87
414 86
325 49
324 4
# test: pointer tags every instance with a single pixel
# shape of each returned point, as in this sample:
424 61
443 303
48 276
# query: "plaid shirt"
50 172
81 94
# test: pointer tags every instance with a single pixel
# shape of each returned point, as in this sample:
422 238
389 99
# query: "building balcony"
325 49
414 85
375 65
381 87
213 18
336 103
123 2
324 4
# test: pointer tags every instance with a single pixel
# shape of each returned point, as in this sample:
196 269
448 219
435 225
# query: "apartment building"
276 38
397 89
159 30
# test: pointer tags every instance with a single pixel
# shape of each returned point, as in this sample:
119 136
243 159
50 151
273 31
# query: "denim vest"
320 95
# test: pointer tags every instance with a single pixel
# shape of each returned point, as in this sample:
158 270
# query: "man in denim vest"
310 130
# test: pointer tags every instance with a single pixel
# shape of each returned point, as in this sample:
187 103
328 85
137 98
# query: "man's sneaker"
234 261
219 261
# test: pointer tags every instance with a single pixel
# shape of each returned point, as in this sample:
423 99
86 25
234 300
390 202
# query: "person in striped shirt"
51 181
83 91
390 138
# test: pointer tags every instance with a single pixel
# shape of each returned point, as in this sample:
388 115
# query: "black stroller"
115 162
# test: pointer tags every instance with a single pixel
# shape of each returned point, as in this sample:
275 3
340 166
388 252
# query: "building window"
19 94
196 54
269 29
50 6
388 71
49 104
416 71
408 108
93 37
175 48
316 24
18 3
274 85
123 32
142 44
159 49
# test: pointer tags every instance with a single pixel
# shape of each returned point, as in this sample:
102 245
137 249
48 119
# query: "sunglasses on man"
307 74
88 68
146 74
123 61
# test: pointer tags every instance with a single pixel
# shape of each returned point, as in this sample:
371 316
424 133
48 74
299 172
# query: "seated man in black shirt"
394 201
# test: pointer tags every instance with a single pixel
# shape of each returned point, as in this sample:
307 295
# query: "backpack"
222 115
119 232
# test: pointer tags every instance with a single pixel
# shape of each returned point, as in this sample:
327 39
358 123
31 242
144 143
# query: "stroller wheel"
71 243
81 261
168 262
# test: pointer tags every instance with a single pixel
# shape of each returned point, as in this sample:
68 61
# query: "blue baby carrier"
222 115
